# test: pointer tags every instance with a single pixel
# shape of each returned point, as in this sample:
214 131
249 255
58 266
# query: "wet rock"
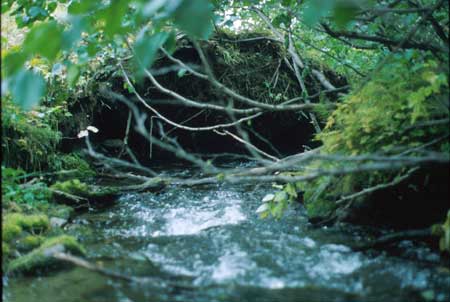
56 222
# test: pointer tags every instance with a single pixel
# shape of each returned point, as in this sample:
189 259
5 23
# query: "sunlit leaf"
44 39
73 73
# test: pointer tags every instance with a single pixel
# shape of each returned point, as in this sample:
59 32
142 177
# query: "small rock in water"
308 242
56 222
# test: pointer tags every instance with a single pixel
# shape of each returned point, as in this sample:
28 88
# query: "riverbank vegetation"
343 107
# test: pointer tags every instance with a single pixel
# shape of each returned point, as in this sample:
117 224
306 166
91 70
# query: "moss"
320 208
91 192
39 259
73 186
10 231
60 211
73 161
29 242
36 222
40 222
5 249
13 224
27 139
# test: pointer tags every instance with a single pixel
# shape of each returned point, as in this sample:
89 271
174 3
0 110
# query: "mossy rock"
71 161
29 242
41 259
61 211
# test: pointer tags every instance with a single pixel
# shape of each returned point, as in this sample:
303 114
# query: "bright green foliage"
10 231
35 223
13 192
276 204
380 115
105 25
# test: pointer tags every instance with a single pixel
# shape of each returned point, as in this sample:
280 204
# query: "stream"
208 244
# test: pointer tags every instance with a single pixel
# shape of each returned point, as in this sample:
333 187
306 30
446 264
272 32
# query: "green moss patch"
41 258
13 225
92 193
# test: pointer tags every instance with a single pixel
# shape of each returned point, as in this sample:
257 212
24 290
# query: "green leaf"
195 17
316 9
114 16
146 47
44 39
280 196
81 7
27 89
13 62
73 34
291 190
73 73
344 12
171 43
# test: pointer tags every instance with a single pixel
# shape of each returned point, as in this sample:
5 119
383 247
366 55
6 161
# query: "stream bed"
208 244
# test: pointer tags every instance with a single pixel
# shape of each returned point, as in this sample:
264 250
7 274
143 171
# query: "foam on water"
185 221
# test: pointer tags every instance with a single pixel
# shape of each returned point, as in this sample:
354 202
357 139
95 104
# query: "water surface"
207 244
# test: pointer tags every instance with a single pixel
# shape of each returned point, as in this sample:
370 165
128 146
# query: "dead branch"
95 268
386 240
248 144
378 187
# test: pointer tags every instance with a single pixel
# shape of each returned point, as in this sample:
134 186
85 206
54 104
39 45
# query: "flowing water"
207 244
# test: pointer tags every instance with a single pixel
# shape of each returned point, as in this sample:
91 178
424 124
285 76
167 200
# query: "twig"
95 268
396 237
378 187
225 132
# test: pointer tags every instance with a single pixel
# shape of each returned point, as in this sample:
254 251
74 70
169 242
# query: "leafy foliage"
387 112
28 138
12 191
